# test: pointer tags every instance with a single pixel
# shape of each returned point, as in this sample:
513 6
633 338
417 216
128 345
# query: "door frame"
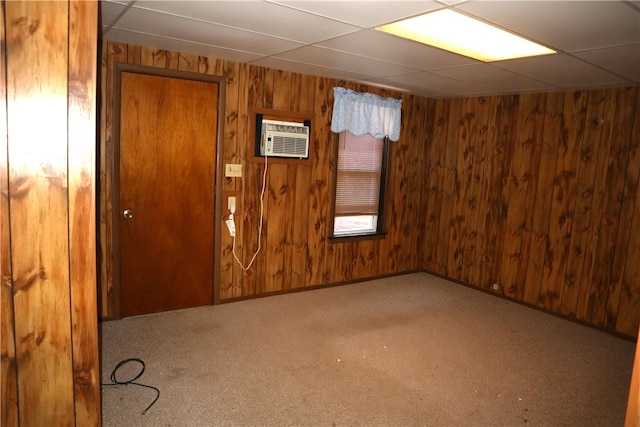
118 69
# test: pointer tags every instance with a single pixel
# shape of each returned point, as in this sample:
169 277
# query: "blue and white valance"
362 113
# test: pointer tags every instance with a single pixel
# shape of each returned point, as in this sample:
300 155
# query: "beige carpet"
411 350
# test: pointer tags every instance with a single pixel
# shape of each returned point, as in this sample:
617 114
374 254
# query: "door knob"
127 213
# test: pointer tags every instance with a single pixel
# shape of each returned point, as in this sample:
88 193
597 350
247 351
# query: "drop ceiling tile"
179 28
182 46
313 70
621 60
345 48
564 25
385 47
339 60
560 70
257 16
365 14
109 12
497 78
442 84
402 87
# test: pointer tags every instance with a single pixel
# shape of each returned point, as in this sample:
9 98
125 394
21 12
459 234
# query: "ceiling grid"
598 42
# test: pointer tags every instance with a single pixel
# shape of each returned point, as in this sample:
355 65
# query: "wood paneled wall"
534 194
295 252
536 197
49 337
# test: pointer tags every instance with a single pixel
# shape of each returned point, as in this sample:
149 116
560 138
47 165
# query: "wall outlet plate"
232 170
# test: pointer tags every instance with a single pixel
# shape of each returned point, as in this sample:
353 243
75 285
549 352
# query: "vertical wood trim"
82 208
8 373
37 87
51 75
102 257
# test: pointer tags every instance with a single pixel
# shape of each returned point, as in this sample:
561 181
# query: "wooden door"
166 207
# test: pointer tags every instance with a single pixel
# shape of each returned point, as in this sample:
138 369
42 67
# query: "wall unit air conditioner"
284 139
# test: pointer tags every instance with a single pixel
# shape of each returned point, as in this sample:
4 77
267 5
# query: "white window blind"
358 175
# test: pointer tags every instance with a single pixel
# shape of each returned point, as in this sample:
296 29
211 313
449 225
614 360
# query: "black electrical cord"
115 381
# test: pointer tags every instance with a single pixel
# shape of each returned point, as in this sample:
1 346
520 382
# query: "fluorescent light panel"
466 36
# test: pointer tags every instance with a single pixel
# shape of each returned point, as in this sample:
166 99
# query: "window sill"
355 237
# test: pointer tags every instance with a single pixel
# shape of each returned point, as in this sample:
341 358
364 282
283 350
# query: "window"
365 123
360 184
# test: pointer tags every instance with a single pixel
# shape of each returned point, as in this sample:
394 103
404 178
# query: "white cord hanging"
253 258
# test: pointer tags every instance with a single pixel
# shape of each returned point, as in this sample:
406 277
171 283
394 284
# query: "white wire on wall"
253 258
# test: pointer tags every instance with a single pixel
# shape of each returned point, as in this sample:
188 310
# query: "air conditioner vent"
284 139
290 145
